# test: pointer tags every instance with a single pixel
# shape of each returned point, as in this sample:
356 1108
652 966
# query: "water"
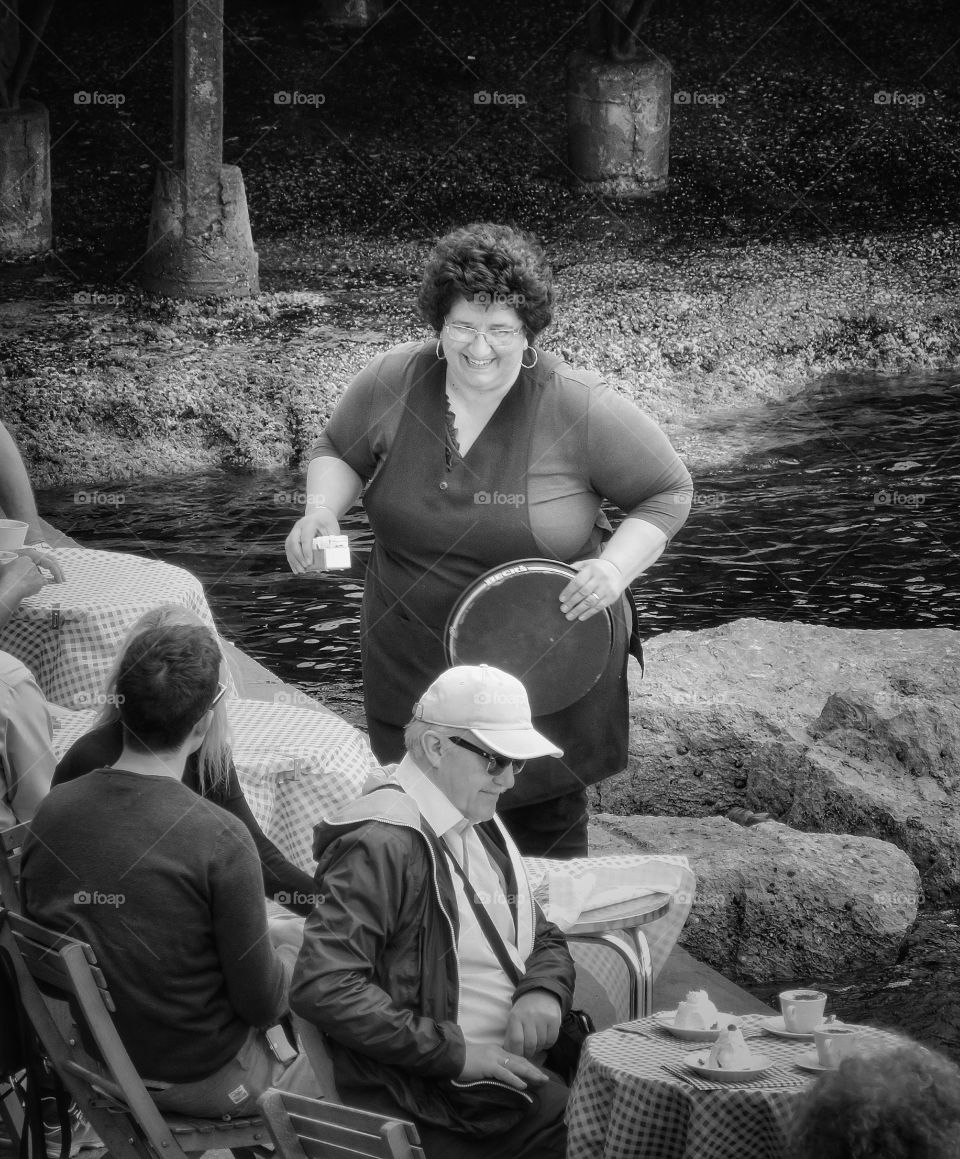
837 507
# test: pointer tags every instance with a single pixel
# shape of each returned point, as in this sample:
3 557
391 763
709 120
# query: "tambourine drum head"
510 618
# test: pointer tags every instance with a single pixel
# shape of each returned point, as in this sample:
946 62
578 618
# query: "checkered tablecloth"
68 634
626 1104
296 764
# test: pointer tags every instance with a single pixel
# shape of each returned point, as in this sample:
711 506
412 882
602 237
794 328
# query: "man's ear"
432 744
199 731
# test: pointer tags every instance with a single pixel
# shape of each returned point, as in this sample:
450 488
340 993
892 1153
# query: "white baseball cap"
489 703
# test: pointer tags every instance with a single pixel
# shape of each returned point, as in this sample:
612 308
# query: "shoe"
82 1136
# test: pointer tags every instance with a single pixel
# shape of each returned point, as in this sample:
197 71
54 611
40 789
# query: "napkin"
565 896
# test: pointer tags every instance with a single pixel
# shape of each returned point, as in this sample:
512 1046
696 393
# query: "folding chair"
68 1003
11 1062
304 1128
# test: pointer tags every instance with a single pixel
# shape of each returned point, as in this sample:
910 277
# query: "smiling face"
475 364
463 778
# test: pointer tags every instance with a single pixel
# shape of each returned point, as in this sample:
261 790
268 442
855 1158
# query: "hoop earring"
535 356
440 355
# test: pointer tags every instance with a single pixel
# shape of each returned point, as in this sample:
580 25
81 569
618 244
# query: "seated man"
26 758
167 888
398 967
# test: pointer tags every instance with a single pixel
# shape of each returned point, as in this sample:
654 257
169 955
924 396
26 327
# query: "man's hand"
534 1023
495 1062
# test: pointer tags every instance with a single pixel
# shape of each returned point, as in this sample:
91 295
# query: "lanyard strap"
485 920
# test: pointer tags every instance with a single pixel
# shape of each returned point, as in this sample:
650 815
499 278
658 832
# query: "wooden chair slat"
304 1128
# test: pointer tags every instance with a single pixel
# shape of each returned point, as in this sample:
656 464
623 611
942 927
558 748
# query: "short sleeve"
633 465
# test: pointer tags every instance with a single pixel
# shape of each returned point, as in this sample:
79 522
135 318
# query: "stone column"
199 243
618 124
26 224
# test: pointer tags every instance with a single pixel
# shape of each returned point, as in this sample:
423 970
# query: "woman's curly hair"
492 265
901 1103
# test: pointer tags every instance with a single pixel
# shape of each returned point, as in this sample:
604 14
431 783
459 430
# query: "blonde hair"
213 756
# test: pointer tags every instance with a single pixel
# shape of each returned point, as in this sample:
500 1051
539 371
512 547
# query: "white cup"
835 1043
12 534
802 1010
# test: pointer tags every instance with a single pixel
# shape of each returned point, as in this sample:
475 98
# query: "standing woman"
434 430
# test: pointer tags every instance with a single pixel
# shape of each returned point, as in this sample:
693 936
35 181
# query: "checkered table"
69 634
633 1099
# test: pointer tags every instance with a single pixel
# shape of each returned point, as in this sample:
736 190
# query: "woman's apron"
440 520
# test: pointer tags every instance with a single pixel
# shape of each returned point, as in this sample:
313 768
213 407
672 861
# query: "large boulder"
831 730
776 904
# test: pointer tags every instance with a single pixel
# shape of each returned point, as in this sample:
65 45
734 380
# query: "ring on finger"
593 596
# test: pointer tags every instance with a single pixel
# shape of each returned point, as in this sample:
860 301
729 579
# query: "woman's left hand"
597 584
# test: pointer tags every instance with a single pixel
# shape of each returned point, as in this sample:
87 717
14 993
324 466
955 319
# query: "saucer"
775 1025
665 1020
698 1062
810 1060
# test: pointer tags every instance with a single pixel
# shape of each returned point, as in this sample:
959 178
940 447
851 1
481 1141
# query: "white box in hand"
335 550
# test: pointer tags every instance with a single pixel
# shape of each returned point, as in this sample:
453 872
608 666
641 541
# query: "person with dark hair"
898 1103
209 770
166 888
432 430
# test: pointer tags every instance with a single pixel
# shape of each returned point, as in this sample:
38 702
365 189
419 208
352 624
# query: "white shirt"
486 993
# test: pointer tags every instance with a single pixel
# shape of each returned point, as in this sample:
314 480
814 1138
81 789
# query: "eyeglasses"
221 689
496 764
498 336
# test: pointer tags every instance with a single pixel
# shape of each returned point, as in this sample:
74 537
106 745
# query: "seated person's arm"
252 971
545 992
28 758
17 581
345 941
281 878
16 494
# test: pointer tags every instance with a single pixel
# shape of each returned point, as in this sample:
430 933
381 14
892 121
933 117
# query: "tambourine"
510 618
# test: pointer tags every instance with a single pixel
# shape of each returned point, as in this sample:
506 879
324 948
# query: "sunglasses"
221 689
496 764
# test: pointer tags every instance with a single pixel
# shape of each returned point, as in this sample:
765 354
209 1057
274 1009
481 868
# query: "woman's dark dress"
530 485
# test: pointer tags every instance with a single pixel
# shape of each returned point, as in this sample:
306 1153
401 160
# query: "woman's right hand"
299 543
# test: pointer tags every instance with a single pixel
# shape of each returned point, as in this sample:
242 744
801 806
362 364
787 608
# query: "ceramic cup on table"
802 1010
835 1043
12 534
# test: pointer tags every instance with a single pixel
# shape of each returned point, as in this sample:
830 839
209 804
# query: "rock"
776 904
826 729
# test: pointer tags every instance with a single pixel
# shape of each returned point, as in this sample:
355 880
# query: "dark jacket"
378 970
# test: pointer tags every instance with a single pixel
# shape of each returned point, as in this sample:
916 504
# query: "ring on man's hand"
593 596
